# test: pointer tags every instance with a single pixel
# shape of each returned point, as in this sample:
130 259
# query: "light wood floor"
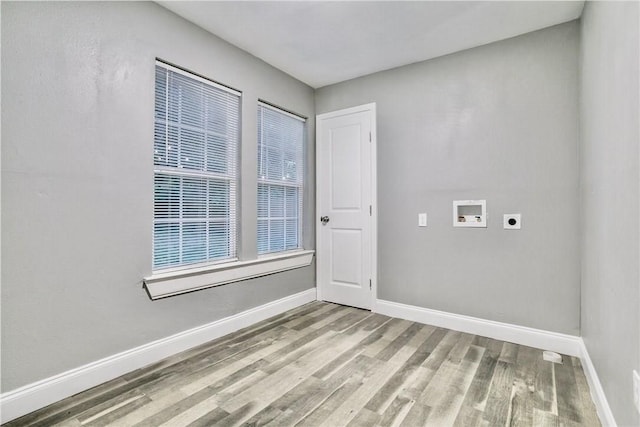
326 364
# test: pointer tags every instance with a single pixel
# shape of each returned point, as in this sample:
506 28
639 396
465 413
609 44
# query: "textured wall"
610 185
77 180
498 122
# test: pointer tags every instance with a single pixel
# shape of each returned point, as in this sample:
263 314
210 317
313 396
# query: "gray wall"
609 167
77 180
499 123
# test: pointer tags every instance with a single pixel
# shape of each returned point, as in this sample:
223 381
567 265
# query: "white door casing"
346 193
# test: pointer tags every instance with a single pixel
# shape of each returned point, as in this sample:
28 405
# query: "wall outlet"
422 220
636 390
512 221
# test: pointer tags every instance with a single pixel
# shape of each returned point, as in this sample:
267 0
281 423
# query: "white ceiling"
325 42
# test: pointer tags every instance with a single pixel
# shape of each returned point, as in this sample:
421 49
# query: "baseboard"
597 392
560 343
31 397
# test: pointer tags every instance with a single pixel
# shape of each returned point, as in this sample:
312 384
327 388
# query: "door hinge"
370 210
369 136
369 284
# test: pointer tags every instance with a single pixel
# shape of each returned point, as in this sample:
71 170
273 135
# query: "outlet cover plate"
636 390
512 221
422 220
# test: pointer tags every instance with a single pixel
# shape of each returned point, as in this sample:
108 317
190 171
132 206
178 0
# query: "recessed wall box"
512 221
469 213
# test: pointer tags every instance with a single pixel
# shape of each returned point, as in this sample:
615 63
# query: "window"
195 179
280 179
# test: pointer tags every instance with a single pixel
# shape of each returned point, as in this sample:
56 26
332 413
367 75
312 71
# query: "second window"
280 179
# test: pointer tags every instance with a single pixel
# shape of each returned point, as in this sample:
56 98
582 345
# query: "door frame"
373 218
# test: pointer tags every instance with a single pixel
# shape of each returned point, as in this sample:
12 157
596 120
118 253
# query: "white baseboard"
31 397
560 343
597 392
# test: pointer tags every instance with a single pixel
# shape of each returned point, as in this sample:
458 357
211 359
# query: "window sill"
167 284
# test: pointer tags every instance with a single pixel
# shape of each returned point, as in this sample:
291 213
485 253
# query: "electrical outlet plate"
422 220
636 390
512 221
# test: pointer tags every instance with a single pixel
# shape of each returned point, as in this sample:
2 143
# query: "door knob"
324 220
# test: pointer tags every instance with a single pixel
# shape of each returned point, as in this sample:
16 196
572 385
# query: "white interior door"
345 199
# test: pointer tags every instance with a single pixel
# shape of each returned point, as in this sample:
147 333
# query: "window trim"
170 283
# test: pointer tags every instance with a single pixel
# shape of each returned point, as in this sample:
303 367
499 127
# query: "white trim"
347 111
171 283
374 205
597 392
31 397
546 340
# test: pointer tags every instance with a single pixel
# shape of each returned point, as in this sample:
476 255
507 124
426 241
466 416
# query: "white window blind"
280 179
197 126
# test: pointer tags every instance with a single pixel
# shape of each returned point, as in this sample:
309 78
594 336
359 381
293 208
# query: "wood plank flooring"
324 364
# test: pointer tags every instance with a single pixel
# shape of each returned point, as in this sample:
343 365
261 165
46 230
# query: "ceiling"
326 42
